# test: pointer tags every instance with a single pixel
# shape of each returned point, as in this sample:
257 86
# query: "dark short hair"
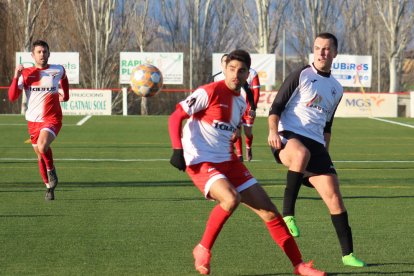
329 36
240 55
224 56
40 43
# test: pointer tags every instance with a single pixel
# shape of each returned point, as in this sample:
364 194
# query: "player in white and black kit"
300 121
203 148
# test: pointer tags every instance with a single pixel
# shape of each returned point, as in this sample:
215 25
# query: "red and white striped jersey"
215 113
41 86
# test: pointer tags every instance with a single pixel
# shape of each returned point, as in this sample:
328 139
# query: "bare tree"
313 17
261 23
398 20
24 30
95 21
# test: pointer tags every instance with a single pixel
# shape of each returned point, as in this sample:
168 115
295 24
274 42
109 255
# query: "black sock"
294 180
343 230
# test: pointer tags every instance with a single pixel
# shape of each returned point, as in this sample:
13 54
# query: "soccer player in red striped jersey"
251 92
44 114
204 149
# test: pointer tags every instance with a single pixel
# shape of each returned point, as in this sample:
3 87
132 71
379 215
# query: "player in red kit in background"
44 114
203 148
252 84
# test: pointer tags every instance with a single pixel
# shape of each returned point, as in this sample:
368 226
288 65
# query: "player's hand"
236 135
18 71
252 113
177 159
274 140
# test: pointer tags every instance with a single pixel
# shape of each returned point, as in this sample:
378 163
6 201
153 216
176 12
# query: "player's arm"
14 90
273 138
327 131
64 84
175 129
286 91
255 87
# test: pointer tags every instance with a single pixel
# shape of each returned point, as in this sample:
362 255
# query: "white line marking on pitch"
162 159
392 122
81 122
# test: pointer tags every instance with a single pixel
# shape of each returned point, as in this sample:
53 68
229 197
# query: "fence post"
124 101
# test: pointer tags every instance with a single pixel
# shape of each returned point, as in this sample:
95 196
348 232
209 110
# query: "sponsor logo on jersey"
191 102
316 103
43 89
223 126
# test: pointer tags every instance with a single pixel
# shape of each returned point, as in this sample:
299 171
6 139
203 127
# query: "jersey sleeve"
64 84
175 126
15 89
285 92
255 87
329 122
196 102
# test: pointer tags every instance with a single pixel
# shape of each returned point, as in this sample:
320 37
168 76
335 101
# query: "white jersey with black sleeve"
306 103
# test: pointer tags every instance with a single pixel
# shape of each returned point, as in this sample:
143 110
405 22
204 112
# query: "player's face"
236 73
41 56
324 52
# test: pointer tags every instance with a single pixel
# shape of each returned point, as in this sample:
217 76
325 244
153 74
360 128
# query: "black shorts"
320 161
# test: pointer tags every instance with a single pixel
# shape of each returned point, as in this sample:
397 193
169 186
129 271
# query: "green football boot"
291 224
351 260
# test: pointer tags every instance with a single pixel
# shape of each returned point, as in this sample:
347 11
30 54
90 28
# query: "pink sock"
280 234
217 219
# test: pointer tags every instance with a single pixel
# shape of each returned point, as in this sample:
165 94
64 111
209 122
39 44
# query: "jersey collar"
323 74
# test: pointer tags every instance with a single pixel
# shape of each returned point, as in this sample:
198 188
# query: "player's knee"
42 148
230 203
335 204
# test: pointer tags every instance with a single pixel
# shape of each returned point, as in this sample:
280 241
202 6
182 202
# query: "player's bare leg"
228 200
328 188
259 202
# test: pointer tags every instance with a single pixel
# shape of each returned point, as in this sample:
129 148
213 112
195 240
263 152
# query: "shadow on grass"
28 216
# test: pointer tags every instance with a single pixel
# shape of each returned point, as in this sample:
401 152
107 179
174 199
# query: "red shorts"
205 174
36 127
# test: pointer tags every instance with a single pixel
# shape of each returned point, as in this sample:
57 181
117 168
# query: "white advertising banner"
69 60
412 105
368 105
88 102
264 103
347 69
264 64
171 65
352 105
